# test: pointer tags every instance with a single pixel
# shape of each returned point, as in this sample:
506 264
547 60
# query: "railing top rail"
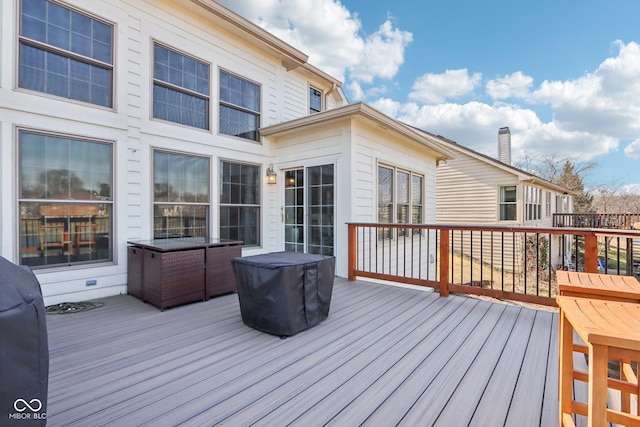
495 228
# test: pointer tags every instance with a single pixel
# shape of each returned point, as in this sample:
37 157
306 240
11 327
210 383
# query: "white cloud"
605 101
331 35
476 124
514 85
631 189
473 124
591 114
436 88
355 88
633 150
382 55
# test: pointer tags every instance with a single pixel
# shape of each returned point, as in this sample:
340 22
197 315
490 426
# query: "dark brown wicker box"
168 272
173 278
220 277
135 260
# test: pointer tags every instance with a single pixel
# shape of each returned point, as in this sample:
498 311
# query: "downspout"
334 87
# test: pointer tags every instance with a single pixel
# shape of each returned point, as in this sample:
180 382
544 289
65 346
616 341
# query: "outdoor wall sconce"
271 175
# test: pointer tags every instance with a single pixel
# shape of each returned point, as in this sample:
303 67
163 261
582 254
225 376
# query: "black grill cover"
283 293
24 351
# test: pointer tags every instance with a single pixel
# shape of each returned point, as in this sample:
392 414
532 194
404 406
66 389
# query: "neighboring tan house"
123 120
475 189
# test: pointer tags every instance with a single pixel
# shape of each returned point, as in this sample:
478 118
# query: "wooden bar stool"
611 330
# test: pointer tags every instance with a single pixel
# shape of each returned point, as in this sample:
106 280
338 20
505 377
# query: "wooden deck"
385 356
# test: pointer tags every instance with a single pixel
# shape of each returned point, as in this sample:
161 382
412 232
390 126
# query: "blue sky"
563 75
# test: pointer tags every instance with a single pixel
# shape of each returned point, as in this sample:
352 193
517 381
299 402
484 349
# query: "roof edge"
521 174
368 112
291 57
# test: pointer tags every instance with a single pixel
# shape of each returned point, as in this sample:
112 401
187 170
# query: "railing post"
590 253
351 256
629 256
444 262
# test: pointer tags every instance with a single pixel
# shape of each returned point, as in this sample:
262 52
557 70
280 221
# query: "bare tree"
613 197
566 172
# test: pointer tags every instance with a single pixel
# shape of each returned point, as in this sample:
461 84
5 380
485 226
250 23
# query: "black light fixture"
271 175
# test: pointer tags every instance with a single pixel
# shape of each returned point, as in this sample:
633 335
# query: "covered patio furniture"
24 351
283 293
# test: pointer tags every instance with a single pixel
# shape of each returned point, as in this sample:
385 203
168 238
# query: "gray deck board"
385 356
526 403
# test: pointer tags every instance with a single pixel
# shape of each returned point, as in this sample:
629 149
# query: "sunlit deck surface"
385 356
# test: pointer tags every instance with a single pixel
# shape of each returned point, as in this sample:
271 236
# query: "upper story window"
239 107
180 88
180 195
508 203
65 200
65 53
315 100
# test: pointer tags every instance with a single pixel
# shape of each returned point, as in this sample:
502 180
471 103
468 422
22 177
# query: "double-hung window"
508 203
315 100
400 196
533 203
239 107
65 200
240 202
180 88
181 195
547 203
65 53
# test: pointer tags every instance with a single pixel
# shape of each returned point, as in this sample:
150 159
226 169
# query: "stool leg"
598 358
625 404
565 379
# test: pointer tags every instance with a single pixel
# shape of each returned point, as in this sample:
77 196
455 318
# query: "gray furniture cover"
283 293
24 351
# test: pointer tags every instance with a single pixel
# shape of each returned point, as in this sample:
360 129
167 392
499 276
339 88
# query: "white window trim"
322 100
394 201
112 66
113 202
259 113
208 128
500 203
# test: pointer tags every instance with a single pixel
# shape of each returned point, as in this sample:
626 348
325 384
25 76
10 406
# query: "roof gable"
368 114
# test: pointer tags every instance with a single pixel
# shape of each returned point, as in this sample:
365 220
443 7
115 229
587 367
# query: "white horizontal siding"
468 191
181 25
371 147
295 97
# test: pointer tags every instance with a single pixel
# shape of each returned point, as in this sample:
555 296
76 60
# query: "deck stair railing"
514 263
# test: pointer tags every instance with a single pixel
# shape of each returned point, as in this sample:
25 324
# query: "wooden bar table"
600 286
610 329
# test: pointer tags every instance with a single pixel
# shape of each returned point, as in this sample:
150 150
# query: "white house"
123 120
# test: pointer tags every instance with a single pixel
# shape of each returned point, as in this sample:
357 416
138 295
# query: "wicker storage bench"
170 272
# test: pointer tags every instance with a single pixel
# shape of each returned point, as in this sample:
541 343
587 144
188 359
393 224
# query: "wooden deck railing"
621 221
513 263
